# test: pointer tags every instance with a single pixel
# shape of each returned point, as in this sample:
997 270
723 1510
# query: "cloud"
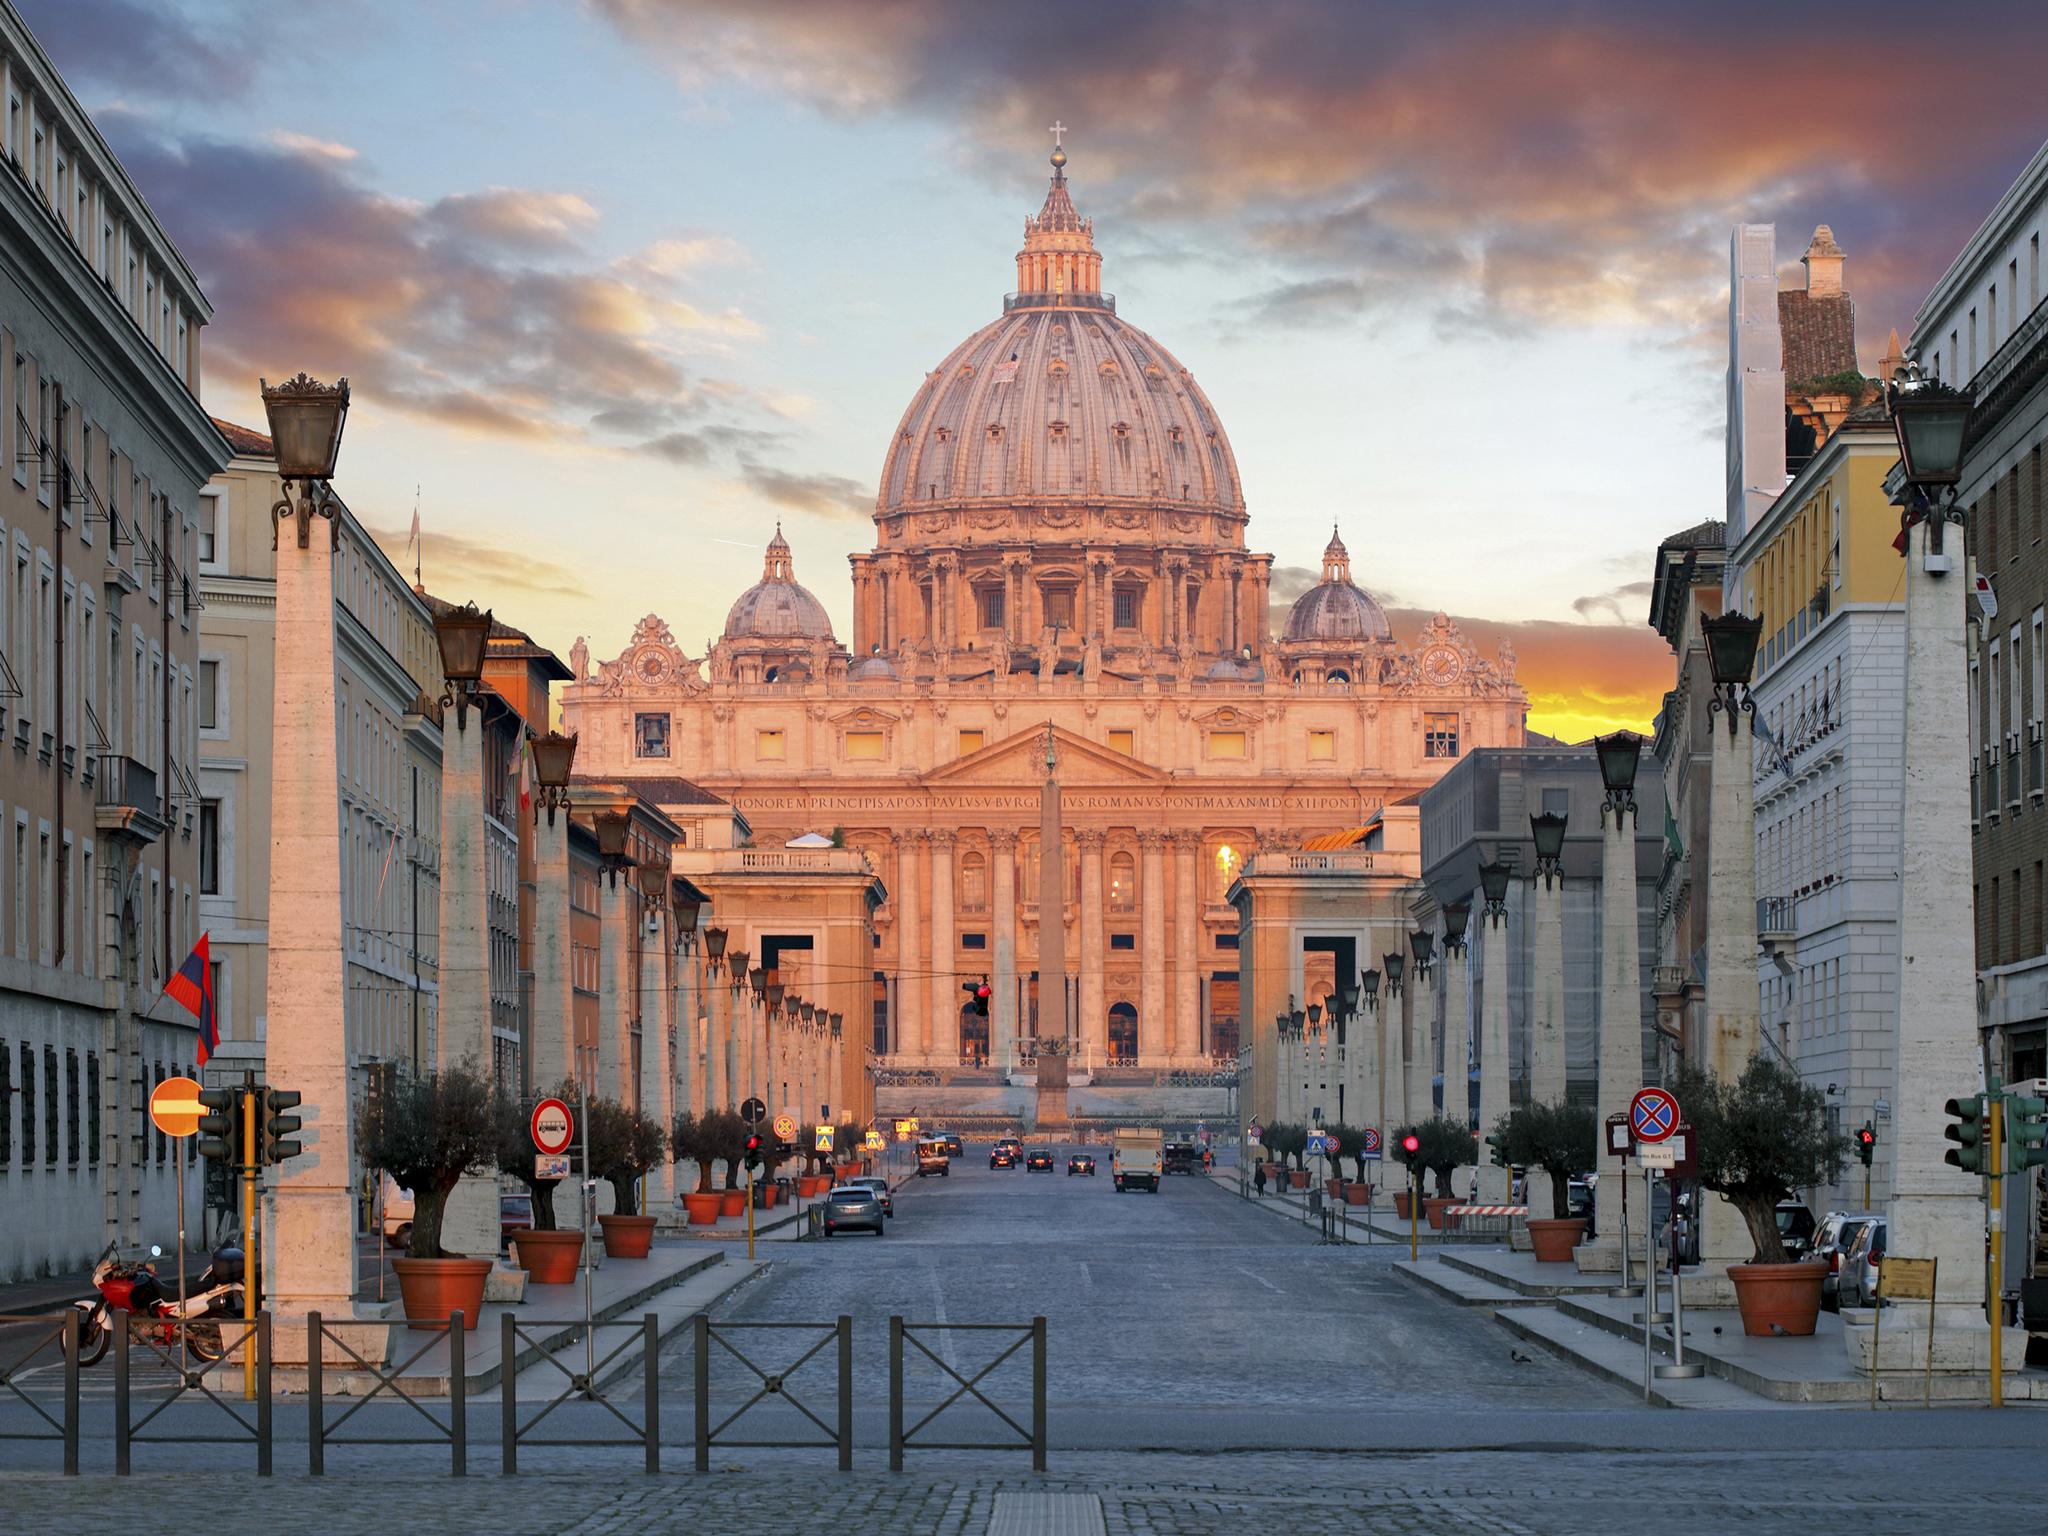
1580 678
1625 604
305 144
149 48
512 216
454 561
833 496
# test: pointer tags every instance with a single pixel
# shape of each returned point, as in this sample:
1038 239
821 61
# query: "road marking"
1254 1274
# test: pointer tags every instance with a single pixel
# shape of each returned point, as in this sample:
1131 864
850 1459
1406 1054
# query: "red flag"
192 989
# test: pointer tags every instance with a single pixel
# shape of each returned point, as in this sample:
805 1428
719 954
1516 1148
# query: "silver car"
1831 1243
880 1186
854 1208
1856 1286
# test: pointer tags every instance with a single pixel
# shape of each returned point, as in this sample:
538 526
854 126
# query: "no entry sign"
173 1107
1653 1115
553 1130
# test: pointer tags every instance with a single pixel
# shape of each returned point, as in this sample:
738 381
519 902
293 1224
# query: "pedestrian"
1259 1177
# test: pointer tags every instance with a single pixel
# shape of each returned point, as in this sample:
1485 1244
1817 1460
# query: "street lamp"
774 991
689 909
463 635
1456 916
1619 754
611 843
1931 419
553 756
1493 885
1369 984
1396 964
1315 1013
1423 943
1731 656
808 1009
306 418
1294 1018
838 1019
1548 831
714 949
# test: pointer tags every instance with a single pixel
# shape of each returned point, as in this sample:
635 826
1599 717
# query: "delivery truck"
1136 1158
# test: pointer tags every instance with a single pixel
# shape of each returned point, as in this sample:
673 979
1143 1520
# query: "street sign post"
1369 1143
785 1127
753 1111
1653 1115
553 1128
821 1138
1661 1155
1254 1132
551 1166
873 1141
174 1109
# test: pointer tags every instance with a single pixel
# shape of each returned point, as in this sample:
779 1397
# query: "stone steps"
1460 1287
1602 1354
1522 1274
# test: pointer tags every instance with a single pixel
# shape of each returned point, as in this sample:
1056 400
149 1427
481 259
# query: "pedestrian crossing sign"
822 1141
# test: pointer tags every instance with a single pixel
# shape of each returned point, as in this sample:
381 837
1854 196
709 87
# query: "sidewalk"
1376 1223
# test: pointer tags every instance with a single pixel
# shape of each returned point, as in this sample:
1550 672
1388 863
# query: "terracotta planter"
627 1237
1358 1193
732 1202
1297 1178
549 1258
1335 1188
1275 1173
703 1208
1554 1239
1787 1295
770 1193
1433 1211
1401 1203
434 1289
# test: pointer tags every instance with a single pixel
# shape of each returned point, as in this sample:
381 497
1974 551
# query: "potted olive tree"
1273 1151
548 1256
625 1146
1762 1138
426 1131
1553 1137
725 1138
1446 1147
1341 1138
687 1138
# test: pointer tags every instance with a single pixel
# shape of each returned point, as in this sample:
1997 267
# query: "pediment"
1020 759
864 718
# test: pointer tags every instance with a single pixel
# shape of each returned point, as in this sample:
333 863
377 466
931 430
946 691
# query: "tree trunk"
543 1192
1762 1220
704 1176
625 1189
1560 1192
429 1204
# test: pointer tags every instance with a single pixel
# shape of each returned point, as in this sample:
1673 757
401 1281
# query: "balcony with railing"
1339 861
128 803
1016 301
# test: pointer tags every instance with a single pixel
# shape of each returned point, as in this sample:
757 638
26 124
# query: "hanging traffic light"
276 1130
1866 1142
1967 1130
220 1128
2026 1131
978 994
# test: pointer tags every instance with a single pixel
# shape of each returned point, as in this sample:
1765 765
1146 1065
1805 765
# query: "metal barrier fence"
128 1430
1032 1439
774 1384
63 1328
320 1435
582 1384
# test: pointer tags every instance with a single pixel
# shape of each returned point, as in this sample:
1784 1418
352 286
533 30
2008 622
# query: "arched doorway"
1123 1034
973 1037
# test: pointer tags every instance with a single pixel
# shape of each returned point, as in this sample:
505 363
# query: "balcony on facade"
128 802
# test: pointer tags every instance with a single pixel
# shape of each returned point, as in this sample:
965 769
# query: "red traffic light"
754 1143
1865 1136
1411 1143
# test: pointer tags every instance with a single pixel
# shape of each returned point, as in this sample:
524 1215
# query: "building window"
1125 742
1226 941
209 695
971 741
1439 735
209 528
6 1108
650 735
1123 941
769 746
991 602
72 1118
1557 802
1226 745
1059 607
1123 883
1123 1028
51 1108
28 1104
973 883
974 941
1125 605
863 746
209 847
1322 746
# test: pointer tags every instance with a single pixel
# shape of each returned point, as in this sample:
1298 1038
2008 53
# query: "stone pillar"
1934 1210
910 1017
1422 1030
946 996
1002 1028
1187 962
1491 1184
1546 1013
311 1248
554 959
1155 1028
1456 1034
1732 1009
1394 1075
1094 1022
1621 1026
469 1223
718 1006
617 904
658 1048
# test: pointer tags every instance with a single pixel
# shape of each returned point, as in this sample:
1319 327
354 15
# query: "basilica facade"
1059 550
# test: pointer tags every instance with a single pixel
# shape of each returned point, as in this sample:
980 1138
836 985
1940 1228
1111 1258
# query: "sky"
619 284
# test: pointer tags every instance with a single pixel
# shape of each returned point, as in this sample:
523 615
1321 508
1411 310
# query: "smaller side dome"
777 607
873 668
1336 610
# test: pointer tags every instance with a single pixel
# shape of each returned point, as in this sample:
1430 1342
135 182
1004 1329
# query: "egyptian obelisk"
1055 1023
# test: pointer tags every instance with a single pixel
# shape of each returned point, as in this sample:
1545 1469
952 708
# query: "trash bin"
815 1221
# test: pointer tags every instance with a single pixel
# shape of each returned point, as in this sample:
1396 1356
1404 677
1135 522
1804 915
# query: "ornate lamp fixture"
1457 915
306 418
1315 1014
1731 656
714 950
463 635
1396 964
772 990
612 827
1619 756
1423 943
1369 984
1493 885
1548 832
689 911
837 1019
554 755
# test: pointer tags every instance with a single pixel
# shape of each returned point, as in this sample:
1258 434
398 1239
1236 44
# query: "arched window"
1338 675
973 883
1123 883
1123 1033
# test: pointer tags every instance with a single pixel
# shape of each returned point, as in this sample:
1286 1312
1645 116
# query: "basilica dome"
1335 611
1059 400
776 607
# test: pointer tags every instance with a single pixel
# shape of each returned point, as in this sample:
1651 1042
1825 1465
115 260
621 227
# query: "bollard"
316 1408
651 1389
845 1393
702 1370
458 1393
895 1394
118 1321
508 1395
263 1394
71 1321
1038 1394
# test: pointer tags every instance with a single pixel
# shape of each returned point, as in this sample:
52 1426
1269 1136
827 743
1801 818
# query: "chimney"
1893 360
1823 261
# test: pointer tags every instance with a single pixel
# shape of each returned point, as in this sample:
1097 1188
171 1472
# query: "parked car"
1795 1229
397 1214
1000 1156
853 1208
1578 1201
1832 1240
880 1186
1856 1286
1081 1162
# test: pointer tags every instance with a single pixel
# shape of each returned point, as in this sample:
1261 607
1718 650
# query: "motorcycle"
132 1286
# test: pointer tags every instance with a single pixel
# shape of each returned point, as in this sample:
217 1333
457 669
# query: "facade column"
312 1247
1155 1028
1546 1013
1621 1021
1423 1028
1188 991
1003 1005
1491 1186
1094 1023
657 1046
1455 1035
946 996
1732 1008
1394 1062
909 1021
469 1224
1362 1070
554 957
617 904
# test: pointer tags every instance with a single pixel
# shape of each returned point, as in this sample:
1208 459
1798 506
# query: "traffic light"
1866 1142
275 1130
2026 1129
1967 1131
1495 1158
978 994
220 1128
753 1150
